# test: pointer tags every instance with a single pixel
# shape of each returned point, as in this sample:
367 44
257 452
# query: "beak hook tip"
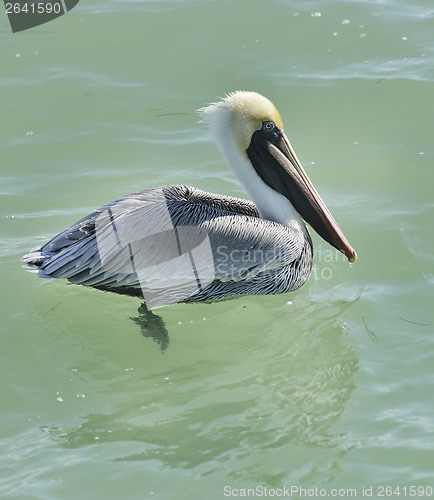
353 257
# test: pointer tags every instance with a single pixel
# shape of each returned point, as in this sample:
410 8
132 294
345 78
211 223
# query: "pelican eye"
268 125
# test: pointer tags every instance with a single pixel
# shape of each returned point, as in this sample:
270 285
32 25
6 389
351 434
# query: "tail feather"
34 260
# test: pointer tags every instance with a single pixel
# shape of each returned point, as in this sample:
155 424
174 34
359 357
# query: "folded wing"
171 244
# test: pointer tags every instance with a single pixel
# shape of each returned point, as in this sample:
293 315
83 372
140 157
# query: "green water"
328 387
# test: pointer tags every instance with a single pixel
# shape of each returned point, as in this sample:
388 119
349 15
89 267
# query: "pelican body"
180 244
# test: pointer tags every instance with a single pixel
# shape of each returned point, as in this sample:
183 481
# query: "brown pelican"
180 244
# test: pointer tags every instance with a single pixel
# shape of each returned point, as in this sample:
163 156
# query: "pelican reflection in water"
180 244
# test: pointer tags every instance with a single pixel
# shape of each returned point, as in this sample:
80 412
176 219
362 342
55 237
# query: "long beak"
277 164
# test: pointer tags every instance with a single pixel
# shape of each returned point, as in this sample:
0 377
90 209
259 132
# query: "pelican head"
249 131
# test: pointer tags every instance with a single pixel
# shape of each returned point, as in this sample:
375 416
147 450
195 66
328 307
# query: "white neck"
271 205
